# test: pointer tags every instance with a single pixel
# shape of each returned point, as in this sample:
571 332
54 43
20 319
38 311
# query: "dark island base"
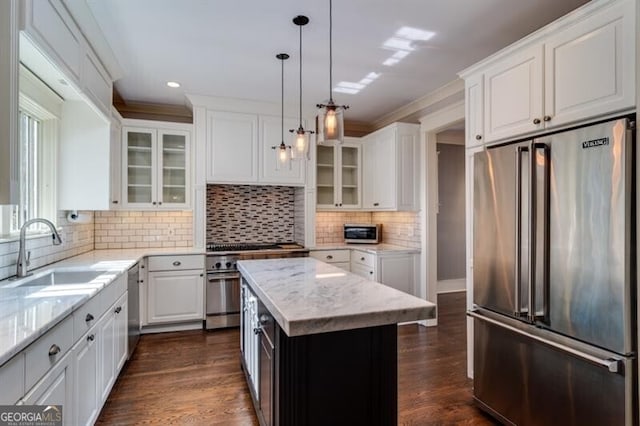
340 378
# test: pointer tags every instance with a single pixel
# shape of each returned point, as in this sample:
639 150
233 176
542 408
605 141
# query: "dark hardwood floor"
195 377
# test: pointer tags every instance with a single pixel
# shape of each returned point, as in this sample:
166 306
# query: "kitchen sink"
62 278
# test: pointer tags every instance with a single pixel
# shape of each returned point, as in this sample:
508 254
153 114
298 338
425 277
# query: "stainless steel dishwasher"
133 288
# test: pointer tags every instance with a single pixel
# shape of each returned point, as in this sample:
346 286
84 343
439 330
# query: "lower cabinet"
397 270
78 375
174 292
338 258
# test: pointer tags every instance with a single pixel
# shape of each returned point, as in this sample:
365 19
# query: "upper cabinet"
156 165
48 26
338 175
578 68
390 168
240 150
9 59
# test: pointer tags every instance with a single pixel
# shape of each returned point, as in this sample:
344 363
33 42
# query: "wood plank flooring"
195 378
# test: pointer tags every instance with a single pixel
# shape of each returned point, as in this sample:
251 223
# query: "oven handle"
212 277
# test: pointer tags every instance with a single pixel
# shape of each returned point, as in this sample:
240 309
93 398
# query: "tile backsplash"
77 238
251 213
399 228
143 229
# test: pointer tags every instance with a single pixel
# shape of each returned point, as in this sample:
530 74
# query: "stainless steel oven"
222 292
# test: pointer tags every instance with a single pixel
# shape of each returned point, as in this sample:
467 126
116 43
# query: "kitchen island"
319 344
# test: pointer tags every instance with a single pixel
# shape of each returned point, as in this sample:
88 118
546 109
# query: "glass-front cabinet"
338 177
156 168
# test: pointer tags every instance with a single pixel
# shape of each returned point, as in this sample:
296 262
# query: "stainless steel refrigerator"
554 278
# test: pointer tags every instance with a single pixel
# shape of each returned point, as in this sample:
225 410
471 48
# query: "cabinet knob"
154 203
118 309
177 263
547 118
329 257
370 272
91 337
202 275
88 318
141 281
54 350
160 203
376 204
115 201
257 330
478 137
336 204
536 121
362 258
340 204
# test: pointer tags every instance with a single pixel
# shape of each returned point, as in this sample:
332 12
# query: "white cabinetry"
55 388
513 95
338 258
115 139
86 356
175 290
339 175
239 150
578 68
12 379
397 270
156 165
390 168
9 60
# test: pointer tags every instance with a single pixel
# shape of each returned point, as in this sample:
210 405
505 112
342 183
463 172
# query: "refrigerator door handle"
539 244
532 233
612 365
518 311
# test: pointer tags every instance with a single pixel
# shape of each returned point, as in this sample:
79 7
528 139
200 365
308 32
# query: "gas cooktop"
214 247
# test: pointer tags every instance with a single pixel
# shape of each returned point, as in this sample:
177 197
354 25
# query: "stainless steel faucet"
23 256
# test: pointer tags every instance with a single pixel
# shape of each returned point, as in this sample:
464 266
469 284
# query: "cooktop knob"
228 264
218 265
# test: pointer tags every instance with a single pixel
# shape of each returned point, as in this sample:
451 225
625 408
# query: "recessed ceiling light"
173 84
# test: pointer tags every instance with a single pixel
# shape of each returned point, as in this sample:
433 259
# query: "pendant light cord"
330 52
300 116
282 100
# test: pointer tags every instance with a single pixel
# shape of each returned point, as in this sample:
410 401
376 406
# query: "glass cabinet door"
173 152
139 172
325 178
349 183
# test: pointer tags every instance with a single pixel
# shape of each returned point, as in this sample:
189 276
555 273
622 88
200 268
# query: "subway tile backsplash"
251 213
77 238
398 228
143 229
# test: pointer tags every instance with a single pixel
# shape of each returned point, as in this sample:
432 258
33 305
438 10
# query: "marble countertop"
307 296
28 312
377 249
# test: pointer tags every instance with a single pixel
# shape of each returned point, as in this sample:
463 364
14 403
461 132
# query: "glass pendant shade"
333 124
284 153
300 143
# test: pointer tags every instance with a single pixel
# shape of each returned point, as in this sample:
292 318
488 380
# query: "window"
37 147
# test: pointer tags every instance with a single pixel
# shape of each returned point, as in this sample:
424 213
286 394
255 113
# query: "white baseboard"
162 328
451 286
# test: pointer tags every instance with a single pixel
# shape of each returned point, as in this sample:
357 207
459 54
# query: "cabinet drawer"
88 315
331 256
37 358
170 263
363 271
12 379
363 258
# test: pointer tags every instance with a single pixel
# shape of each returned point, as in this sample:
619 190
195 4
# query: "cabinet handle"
118 309
329 257
154 203
141 266
177 263
115 201
478 137
257 330
88 318
91 337
202 275
54 350
362 258
141 281
376 204
547 118
536 121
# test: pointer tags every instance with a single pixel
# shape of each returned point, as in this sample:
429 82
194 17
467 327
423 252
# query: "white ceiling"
227 48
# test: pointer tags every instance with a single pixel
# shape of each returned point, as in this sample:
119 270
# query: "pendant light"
300 135
332 114
283 151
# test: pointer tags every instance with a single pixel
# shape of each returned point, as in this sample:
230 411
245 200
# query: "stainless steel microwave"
362 233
